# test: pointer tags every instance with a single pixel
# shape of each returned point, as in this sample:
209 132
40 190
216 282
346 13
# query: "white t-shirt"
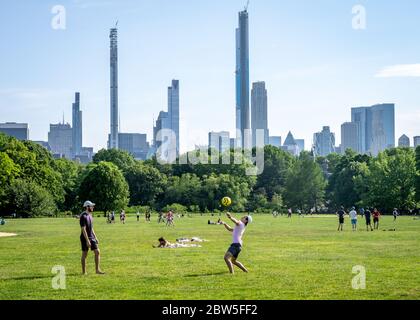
238 231
353 214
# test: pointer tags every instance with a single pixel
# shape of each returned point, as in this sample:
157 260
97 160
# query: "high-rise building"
19 131
259 117
77 126
134 143
290 145
219 141
60 139
275 141
416 141
349 137
324 142
173 111
113 142
404 141
376 127
301 144
242 81
160 135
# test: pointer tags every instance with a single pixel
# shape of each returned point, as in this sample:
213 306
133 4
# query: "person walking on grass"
395 214
88 238
341 213
376 215
235 248
138 216
368 220
353 217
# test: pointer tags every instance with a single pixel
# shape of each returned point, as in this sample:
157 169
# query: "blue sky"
316 66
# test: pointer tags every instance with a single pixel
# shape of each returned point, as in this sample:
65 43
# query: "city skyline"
39 97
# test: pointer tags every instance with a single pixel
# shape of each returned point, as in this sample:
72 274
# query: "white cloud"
401 70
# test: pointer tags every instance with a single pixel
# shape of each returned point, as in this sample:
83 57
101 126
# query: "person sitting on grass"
235 248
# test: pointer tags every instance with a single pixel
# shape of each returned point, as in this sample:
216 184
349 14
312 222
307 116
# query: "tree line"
33 183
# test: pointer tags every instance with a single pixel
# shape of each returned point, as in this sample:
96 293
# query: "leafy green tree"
122 159
341 188
104 184
145 182
8 172
185 190
305 184
70 172
215 187
27 199
392 180
276 166
418 175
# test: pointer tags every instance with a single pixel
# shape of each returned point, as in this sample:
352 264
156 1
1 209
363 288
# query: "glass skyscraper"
113 36
376 127
259 117
242 81
173 111
77 126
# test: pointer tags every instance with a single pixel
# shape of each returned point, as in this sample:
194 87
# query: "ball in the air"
226 201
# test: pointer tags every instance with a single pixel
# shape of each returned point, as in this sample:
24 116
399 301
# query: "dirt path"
2 234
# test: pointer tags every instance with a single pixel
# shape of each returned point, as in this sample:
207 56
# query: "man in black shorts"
88 237
341 214
368 215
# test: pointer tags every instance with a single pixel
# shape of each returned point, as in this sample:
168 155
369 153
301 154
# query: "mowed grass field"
298 258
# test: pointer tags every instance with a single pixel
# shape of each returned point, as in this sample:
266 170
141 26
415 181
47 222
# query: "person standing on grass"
88 238
376 215
235 248
341 213
353 217
362 212
289 213
368 221
138 216
395 214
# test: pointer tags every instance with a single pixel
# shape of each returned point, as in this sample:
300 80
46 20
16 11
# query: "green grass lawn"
298 258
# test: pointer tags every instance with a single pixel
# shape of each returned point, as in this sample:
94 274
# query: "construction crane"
247 5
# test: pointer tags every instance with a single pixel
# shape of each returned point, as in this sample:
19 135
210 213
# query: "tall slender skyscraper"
113 36
259 116
242 80
173 111
376 127
77 127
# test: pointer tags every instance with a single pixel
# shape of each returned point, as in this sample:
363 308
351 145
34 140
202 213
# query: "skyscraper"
77 126
113 142
242 80
60 139
376 127
259 116
349 137
18 130
416 141
404 141
290 145
173 111
219 141
275 141
301 144
324 142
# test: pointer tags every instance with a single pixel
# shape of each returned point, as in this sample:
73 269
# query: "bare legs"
97 261
231 261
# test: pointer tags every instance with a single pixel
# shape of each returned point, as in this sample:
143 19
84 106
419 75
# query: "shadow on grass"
39 277
204 274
